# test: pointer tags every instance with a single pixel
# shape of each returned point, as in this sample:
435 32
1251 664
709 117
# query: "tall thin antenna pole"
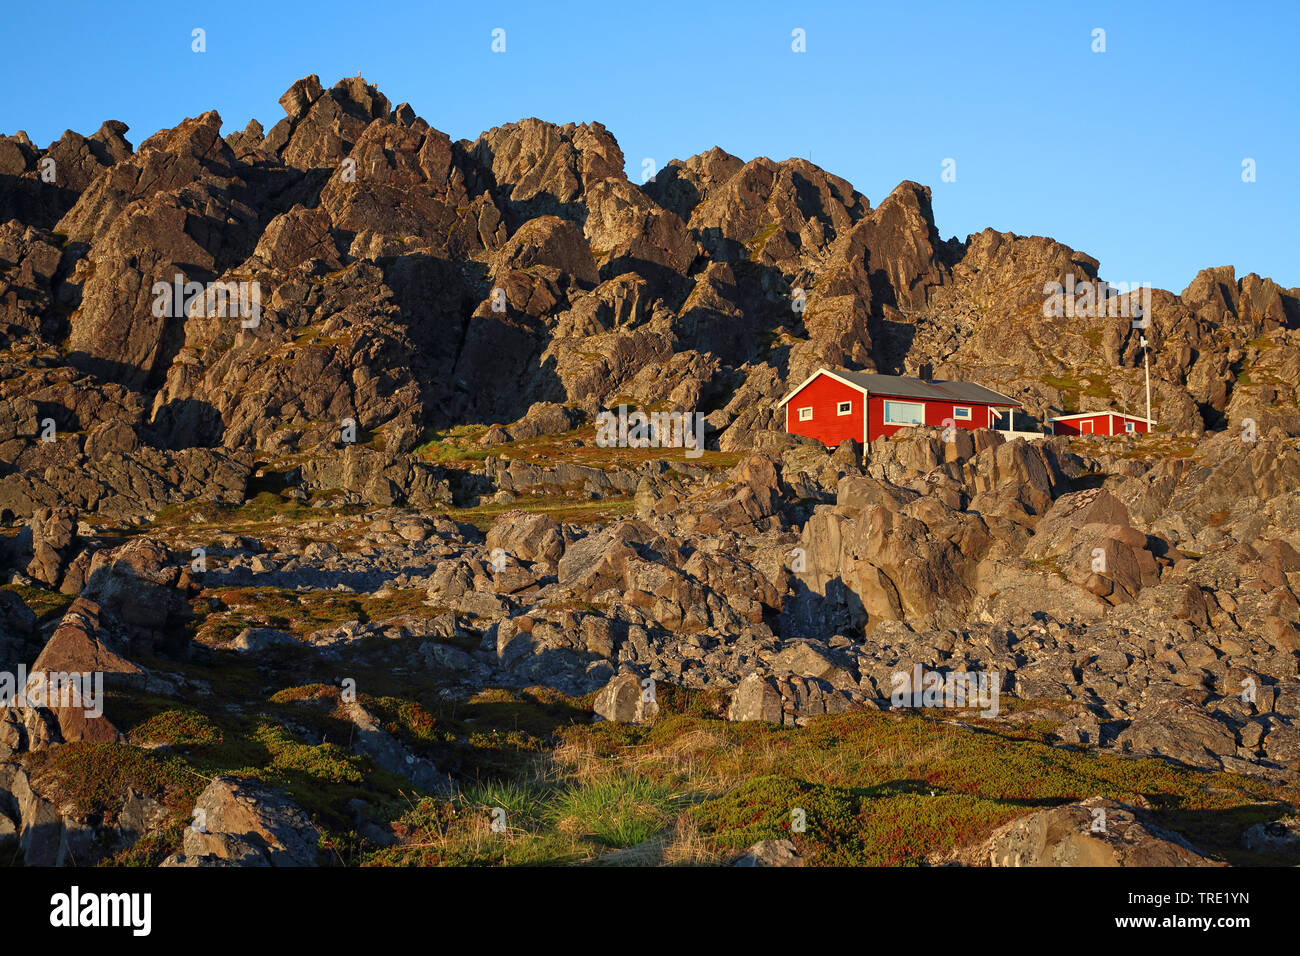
1146 365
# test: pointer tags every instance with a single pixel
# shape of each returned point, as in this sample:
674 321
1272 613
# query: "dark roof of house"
935 391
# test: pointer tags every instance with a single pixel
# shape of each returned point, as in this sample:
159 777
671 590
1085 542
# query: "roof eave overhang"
821 371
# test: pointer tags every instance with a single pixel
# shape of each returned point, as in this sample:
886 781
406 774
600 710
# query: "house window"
805 414
961 412
904 413
844 408
1129 426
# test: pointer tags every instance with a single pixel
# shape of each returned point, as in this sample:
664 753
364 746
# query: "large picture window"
904 413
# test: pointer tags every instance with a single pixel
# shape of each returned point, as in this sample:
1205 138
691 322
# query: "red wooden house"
1100 423
835 405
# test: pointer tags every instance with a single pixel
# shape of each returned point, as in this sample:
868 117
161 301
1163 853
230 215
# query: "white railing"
1027 436
1005 424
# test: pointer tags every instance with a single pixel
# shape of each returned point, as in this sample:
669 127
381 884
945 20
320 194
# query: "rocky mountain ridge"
378 244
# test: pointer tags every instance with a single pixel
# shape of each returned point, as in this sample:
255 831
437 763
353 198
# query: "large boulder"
54 544
69 675
1089 537
770 853
1094 832
142 589
626 700
789 700
378 477
527 536
1181 731
249 824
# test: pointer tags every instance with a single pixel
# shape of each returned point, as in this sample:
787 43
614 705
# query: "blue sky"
1133 155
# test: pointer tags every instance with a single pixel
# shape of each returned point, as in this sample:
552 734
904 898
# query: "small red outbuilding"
1100 423
833 406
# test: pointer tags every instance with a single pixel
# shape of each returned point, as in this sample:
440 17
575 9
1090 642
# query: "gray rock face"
626 700
1181 731
770 853
257 639
54 544
1089 534
808 659
143 589
19 639
118 486
51 831
1094 832
1276 836
543 418
379 478
790 700
36 820
527 537
380 746
757 698
244 823
79 645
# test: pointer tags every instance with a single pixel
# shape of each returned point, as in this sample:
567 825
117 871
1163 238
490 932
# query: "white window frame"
893 401
806 417
957 412
1130 426
844 408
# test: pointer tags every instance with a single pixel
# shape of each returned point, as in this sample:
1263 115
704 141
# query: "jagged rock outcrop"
54 545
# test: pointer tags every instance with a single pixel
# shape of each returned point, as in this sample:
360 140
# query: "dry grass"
686 846
561 509
577 447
